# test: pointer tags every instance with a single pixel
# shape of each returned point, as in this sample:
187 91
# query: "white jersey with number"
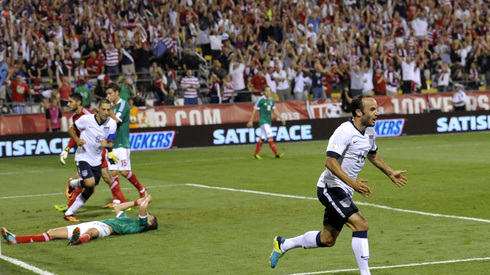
93 132
353 147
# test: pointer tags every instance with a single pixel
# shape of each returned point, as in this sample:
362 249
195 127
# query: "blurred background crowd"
170 52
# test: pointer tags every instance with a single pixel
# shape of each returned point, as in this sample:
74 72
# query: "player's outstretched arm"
396 176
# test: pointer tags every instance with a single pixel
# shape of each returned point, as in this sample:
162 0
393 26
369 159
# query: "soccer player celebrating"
84 232
75 105
265 105
121 149
96 133
351 144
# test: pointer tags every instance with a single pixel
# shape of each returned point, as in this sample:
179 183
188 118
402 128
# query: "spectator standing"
94 66
127 89
444 75
228 89
53 116
356 83
189 84
99 91
459 98
271 82
85 92
127 59
408 72
379 82
237 68
112 58
64 89
257 84
283 88
19 92
133 115
189 60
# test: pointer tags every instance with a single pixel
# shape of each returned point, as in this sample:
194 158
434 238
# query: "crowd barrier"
240 112
162 138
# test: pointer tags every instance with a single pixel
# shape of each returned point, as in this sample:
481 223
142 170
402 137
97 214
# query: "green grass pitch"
219 209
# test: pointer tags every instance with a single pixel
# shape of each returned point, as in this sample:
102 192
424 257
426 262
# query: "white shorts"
124 163
265 131
103 228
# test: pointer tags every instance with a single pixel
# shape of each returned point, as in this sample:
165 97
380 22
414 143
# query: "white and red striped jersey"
186 82
111 57
228 89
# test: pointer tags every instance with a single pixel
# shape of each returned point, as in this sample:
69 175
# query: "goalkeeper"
75 105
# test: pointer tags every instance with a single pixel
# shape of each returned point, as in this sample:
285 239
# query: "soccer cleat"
61 207
9 237
70 218
257 157
143 193
74 237
276 250
111 204
280 155
69 190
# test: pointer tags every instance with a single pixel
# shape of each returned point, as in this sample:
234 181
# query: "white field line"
25 265
394 266
357 202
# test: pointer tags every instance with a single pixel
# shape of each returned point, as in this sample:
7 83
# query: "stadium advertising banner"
240 113
238 133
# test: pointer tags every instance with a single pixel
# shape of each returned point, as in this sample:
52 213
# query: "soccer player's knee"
328 241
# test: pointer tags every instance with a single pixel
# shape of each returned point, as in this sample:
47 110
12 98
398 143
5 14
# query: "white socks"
79 202
360 247
307 240
76 183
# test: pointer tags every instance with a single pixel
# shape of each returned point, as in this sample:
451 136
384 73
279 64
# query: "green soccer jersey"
123 224
265 107
125 93
121 109
86 94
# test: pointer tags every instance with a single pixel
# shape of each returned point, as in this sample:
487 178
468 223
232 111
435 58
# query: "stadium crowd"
226 51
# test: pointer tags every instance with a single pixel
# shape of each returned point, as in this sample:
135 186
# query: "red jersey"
65 91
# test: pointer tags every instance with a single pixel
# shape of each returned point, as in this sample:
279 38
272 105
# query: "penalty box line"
357 202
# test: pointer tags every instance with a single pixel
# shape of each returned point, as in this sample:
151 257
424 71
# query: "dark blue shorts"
338 206
86 171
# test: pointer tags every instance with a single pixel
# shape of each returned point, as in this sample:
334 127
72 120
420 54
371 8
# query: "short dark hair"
357 104
104 101
154 224
113 86
77 97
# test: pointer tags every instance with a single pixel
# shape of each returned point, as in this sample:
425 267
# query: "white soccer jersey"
353 148
93 132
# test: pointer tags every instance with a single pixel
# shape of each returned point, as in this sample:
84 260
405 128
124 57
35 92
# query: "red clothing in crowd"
65 91
19 91
379 86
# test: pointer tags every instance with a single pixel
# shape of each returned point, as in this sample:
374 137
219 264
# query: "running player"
351 144
96 133
75 105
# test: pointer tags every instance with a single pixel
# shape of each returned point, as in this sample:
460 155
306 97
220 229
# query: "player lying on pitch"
84 232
